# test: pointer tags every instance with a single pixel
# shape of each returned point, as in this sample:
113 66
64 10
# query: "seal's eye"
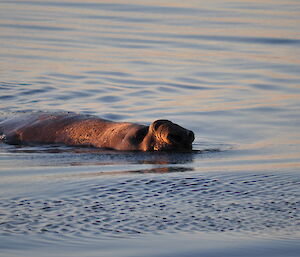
140 134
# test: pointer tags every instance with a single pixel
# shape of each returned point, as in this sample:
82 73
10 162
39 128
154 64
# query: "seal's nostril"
191 136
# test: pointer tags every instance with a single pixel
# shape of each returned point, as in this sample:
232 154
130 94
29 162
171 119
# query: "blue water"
228 70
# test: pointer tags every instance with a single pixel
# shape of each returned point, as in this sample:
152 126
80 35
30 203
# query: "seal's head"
164 135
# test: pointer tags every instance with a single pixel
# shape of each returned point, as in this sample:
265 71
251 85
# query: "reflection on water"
78 156
228 70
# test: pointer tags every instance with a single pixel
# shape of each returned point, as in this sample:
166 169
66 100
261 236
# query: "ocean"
227 70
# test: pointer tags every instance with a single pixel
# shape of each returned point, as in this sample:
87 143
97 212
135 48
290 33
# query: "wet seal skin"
87 130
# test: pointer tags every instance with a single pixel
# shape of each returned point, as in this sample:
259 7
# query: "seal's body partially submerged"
88 130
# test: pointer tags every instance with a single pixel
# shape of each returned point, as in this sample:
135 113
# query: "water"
228 70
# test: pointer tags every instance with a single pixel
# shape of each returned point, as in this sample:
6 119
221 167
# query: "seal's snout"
181 137
170 136
191 136
174 138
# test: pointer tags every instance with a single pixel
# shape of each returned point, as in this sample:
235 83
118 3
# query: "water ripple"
247 40
35 27
248 203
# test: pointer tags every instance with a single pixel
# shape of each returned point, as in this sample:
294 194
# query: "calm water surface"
228 70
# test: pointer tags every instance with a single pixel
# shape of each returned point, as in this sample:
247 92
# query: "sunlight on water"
228 70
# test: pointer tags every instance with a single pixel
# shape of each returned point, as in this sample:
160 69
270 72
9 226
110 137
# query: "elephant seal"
88 130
